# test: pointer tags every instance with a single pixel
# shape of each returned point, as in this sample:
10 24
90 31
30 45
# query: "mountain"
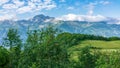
97 28
103 28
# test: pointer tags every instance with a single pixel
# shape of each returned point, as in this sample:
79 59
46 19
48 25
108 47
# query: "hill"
102 45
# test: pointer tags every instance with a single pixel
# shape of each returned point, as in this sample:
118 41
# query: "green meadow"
102 44
98 45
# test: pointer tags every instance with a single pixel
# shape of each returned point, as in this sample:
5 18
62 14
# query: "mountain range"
103 28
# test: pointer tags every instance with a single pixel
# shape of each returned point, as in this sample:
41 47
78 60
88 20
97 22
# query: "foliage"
86 59
68 39
114 38
12 38
14 43
4 57
109 60
48 48
44 50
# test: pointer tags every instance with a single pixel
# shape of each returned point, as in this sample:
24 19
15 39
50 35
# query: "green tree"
12 39
68 39
86 58
14 43
108 60
4 57
44 50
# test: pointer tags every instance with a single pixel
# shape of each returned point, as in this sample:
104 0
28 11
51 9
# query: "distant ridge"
102 28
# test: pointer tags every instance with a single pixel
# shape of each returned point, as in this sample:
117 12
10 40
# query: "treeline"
88 37
74 39
48 48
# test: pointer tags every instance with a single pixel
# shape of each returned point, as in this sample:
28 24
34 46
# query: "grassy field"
99 44
105 46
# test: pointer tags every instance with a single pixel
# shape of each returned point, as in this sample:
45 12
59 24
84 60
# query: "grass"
99 44
105 46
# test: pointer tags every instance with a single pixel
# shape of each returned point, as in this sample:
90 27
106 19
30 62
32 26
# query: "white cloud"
9 6
21 7
49 4
8 17
91 6
70 8
18 3
24 9
35 1
104 2
31 4
89 18
3 1
62 0
95 18
70 17
50 7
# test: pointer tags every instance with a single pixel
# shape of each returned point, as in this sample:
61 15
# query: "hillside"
101 44
106 47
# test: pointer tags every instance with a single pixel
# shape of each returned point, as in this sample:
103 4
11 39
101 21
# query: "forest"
51 48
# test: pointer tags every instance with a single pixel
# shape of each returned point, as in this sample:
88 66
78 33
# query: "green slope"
105 46
99 44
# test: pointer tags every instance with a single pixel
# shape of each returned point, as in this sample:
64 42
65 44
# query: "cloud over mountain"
89 18
8 17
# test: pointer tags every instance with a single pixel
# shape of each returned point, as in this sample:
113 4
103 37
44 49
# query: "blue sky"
24 9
